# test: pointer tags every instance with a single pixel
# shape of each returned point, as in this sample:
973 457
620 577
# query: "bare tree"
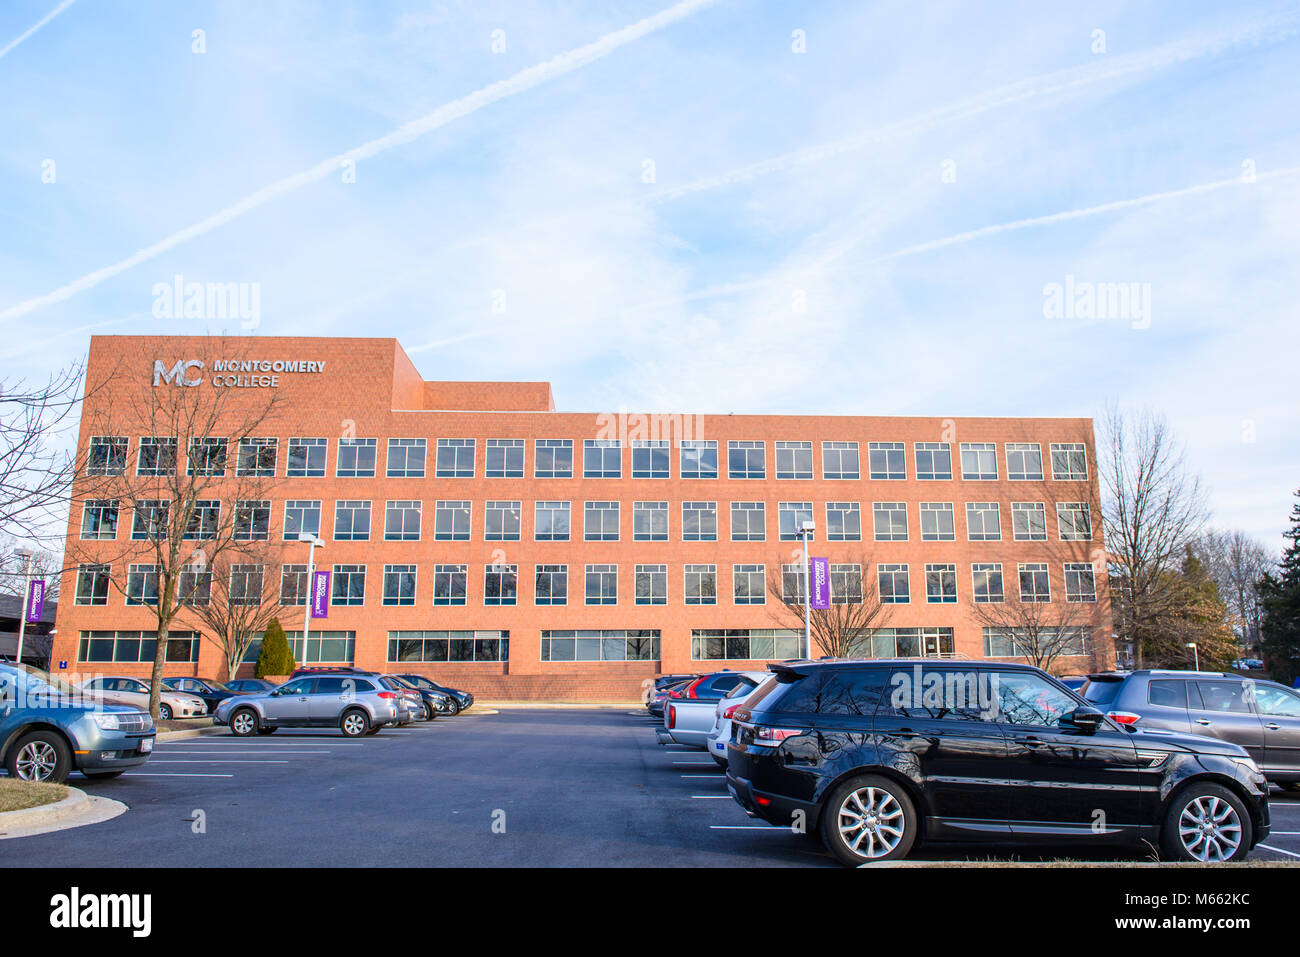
1237 563
1040 631
44 564
856 609
194 489
234 598
36 470
1153 508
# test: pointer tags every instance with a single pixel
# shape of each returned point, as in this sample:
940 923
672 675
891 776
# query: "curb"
75 810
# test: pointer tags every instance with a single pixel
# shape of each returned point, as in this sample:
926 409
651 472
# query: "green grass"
17 795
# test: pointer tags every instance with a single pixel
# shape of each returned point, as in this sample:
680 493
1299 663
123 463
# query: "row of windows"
250 584
601 458
601 521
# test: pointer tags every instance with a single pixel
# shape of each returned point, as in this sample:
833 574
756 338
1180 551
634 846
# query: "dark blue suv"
48 728
880 753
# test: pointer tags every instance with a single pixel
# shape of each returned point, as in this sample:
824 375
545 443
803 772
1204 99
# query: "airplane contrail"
36 26
519 83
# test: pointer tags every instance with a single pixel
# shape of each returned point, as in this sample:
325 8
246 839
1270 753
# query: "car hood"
1155 739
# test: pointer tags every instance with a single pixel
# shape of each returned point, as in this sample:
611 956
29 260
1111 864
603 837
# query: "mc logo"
178 374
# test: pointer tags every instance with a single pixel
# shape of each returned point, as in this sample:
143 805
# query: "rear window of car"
743 687
847 692
1101 691
1167 693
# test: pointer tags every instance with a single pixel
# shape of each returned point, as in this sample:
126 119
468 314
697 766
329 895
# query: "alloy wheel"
1209 828
354 724
242 723
870 816
37 761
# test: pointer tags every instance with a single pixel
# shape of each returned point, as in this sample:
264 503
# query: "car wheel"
40 756
453 707
429 713
102 775
1206 823
868 818
244 722
373 729
354 723
267 730
165 712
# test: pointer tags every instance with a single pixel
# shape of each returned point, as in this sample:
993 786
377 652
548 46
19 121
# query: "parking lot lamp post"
26 557
312 541
805 532
1196 656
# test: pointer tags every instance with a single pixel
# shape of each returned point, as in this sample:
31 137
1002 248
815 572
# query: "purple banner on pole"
320 594
35 601
819 572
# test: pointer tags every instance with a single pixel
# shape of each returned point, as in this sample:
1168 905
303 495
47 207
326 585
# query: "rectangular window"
149 519
99 519
402 521
301 517
941 584
699 459
746 460
983 522
792 584
92 585
979 461
204 521
551 585
351 521
745 644
843 522
323 647
1074 521
107 455
933 460
450 583
451 521
136 647
194 587
247 584
650 521
306 458
348 585
794 460
790 517
986 582
1024 462
501 521
1028 522
207 457
553 458
1080 582
840 461
551 521
937 522
748 522
399 585
293 585
701 584
406 458
887 460
651 459
652 584
602 585
699 521
602 458
448 646
1034 586
500 584
157 456
846 584
749 584
1069 462
505 458
356 458
257 457
142 585
455 458
252 521
600 522
894 587
623 644
890 521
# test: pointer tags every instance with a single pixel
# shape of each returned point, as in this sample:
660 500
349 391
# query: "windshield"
37 680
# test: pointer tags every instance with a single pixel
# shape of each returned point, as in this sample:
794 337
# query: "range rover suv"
878 754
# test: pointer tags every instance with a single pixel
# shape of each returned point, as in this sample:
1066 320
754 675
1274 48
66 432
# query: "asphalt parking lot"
524 788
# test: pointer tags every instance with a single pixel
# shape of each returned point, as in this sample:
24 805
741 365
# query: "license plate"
146 745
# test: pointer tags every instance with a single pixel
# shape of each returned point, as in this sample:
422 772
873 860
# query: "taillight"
1123 717
672 717
774 736
387 694
726 715
689 690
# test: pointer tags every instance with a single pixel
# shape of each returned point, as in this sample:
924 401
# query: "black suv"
881 753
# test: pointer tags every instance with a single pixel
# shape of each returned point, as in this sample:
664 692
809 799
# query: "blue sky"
692 215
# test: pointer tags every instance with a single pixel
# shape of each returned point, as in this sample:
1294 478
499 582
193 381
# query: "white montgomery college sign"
232 373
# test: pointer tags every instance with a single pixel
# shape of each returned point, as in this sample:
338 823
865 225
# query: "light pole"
313 541
1196 656
26 556
805 532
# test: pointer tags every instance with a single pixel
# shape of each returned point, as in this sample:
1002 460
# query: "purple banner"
320 594
35 601
819 574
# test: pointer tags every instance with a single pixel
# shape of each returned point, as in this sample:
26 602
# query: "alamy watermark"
1081 299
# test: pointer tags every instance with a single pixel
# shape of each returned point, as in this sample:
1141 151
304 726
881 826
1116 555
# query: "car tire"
103 775
873 808
354 723
453 707
1207 824
41 756
164 712
373 729
244 722
429 713
267 730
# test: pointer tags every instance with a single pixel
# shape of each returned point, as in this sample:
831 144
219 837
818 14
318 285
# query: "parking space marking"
714 777
691 764
710 797
749 827
173 774
219 761
234 751
1279 850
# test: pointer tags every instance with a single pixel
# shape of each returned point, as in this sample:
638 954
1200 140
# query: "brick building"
476 534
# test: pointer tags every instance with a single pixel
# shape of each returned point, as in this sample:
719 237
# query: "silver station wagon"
356 704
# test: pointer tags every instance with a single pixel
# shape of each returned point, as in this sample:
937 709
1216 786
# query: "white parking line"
749 827
713 776
236 751
173 774
217 761
722 797
692 764
1279 850
1283 833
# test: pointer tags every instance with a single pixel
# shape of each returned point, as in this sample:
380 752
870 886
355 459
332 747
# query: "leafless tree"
1040 631
856 610
234 598
36 469
180 489
1153 508
1236 563
44 564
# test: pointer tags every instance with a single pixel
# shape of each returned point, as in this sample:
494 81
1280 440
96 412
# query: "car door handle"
1205 721
1030 741
1272 726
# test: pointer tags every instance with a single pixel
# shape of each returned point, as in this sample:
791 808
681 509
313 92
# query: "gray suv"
356 704
1261 716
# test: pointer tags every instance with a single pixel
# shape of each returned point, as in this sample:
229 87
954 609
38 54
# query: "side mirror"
1086 718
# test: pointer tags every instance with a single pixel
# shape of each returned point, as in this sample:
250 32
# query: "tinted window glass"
301 686
1168 694
333 685
360 685
945 694
1224 696
1277 702
1029 700
1101 691
743 687
720 685
852 692
770 692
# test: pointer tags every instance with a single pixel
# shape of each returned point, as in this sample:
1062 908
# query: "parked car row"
873 755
